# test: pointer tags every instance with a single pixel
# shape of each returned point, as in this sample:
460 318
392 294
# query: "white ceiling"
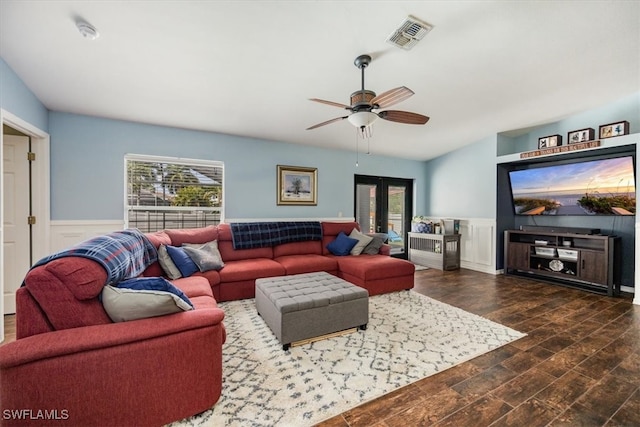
248 67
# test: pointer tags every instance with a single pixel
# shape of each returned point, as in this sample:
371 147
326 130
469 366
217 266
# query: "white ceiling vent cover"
410 32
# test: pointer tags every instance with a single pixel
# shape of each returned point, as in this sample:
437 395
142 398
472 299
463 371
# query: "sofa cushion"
298 248
168 266
250 269
213 276
330 231
363 241
206 256
182 260
192 235
193 286
66 291
225 245
158 238
307 263
342 245
373 267
229 254
377 240
143 297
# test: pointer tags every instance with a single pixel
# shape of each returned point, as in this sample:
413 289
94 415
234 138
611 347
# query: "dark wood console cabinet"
580 260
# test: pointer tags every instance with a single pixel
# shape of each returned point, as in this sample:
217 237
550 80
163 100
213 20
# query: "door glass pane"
395 229
366 207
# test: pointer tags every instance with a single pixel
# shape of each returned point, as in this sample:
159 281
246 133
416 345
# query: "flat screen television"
584 187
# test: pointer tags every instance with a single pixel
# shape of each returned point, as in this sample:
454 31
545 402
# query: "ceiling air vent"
410 32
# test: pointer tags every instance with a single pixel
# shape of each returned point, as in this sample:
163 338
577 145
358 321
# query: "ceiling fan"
363 102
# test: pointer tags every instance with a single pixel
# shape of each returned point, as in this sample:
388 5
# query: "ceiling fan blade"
403 117
327 122
391 97
334 104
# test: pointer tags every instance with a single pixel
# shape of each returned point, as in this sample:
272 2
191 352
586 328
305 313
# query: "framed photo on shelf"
614 129
549 141
297 185
581 135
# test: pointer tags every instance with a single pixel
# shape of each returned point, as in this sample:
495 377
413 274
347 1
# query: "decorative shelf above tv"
579 260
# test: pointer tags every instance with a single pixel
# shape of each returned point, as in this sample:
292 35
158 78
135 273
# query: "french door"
384 205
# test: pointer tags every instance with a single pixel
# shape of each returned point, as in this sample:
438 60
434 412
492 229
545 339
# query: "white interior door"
15 194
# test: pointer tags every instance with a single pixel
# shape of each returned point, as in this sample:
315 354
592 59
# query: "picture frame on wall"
614 129
550 141
297 185
581 135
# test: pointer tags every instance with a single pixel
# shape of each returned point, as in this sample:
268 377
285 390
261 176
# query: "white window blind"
165 192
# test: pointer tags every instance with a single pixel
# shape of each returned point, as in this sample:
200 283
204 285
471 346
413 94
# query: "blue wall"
17 98
87 168
462 184
626 108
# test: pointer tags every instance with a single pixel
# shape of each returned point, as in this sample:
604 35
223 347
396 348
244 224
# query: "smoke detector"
87 30
410 32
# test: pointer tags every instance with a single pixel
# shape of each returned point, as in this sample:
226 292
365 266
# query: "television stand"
576 260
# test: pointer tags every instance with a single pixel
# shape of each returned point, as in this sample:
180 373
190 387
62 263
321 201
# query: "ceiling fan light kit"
363 102
362 118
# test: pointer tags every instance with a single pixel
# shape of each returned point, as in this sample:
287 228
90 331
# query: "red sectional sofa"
376 273
70 358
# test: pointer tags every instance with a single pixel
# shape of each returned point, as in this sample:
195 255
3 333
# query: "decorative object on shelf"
422 224
297 185
614 129
556 265
581 135
550 141
561 149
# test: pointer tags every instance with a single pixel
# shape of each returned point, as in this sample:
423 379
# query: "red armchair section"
72 361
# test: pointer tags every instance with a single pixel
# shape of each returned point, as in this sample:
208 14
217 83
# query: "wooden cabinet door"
518 256
593 267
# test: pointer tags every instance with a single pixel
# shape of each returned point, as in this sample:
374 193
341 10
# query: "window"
166 192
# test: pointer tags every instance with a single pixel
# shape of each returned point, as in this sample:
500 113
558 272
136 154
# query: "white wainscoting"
636 281
478 244
68 233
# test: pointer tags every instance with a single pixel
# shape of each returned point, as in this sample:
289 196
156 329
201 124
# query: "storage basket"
568 254
545 251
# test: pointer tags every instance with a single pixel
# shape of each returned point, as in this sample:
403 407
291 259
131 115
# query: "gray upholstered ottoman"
303 306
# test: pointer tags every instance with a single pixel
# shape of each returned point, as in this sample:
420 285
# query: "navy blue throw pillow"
342 245
182 260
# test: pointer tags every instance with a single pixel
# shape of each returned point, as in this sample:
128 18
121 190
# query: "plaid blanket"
263 234
123 254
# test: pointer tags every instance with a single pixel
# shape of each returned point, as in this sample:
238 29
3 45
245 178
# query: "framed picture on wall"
297 185
614 129
549 141
581 135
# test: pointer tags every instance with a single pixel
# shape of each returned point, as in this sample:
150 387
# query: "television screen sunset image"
596 187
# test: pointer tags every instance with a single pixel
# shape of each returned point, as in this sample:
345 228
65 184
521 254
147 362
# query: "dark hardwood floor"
578 366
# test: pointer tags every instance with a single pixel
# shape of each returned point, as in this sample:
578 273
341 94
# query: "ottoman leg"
286 347
363 327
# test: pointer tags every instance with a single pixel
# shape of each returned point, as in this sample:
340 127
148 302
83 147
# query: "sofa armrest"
119 373
385 249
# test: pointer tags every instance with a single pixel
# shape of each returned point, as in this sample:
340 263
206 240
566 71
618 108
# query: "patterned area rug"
409 337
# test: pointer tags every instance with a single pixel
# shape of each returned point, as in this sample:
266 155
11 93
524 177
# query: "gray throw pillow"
206 256
363 241
167 264
151 299
376 243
